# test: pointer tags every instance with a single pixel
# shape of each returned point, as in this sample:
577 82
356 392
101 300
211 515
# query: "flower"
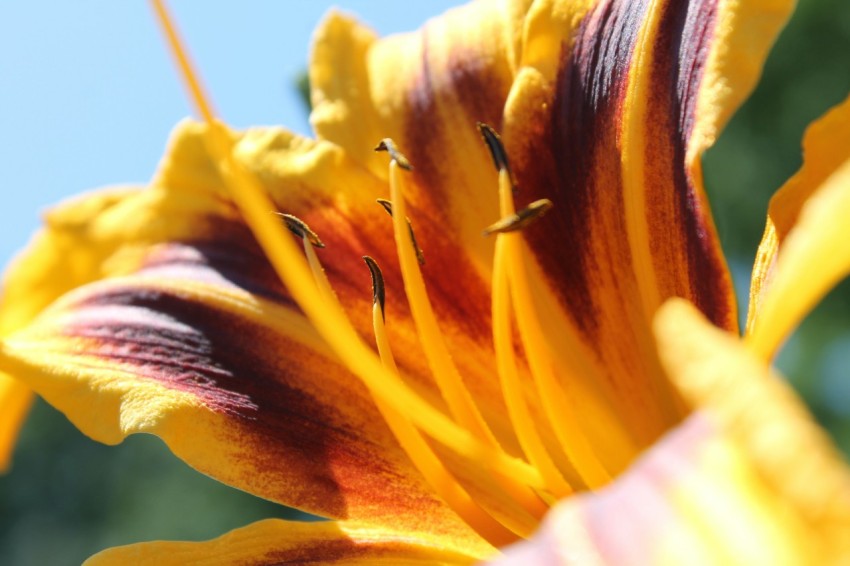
174 321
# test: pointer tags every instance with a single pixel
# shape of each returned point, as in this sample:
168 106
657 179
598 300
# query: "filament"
562 414
428 463
522 421
414 445
445 373
328 318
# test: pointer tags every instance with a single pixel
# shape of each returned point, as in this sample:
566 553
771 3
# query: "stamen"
388 145
329 319
521 218
521 419
378 292
420 453
388 206
448 378
560 410
300 229
196 92
497 150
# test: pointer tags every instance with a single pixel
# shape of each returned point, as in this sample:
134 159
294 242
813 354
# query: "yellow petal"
748 479
605 109
743 34
30 284
239 387
694 498
794 459
613 139
425 90
803 252
281 542
192 337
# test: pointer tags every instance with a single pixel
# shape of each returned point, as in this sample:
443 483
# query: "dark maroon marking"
234 367
454 286
573 158
573 144
476 87
333 551
683 44
231 252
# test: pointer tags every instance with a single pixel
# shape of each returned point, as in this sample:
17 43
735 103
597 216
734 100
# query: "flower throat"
546 471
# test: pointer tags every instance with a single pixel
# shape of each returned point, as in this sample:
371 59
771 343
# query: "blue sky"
88 93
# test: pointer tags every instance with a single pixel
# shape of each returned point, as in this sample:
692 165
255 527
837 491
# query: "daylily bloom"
511 371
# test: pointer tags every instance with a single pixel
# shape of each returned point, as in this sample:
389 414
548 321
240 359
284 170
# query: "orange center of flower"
548 470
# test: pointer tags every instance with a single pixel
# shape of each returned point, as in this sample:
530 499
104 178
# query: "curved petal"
605 109
282 542
614 139
239 387
191 336
694 498
759 412
803 252
748 479
29 285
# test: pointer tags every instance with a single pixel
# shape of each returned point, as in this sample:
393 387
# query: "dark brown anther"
388 145
522 218
494 144
378 291
388 206
300 229
497 150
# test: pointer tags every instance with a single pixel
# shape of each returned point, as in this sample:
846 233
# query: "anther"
494 144
300 229
521 219
497 149
388 206
378 291
388 145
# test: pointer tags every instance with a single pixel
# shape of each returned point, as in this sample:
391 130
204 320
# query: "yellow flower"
511 370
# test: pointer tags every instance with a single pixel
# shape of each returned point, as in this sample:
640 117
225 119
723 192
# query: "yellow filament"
560 409
409 438
445 373
428 463
521 419
329 319
411 441
319 275
181 56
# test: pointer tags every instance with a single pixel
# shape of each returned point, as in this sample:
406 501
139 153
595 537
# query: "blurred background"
88 97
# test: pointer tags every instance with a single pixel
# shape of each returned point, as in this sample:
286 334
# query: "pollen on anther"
300 229
378 290
493 141
389 146
521 219
388 206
